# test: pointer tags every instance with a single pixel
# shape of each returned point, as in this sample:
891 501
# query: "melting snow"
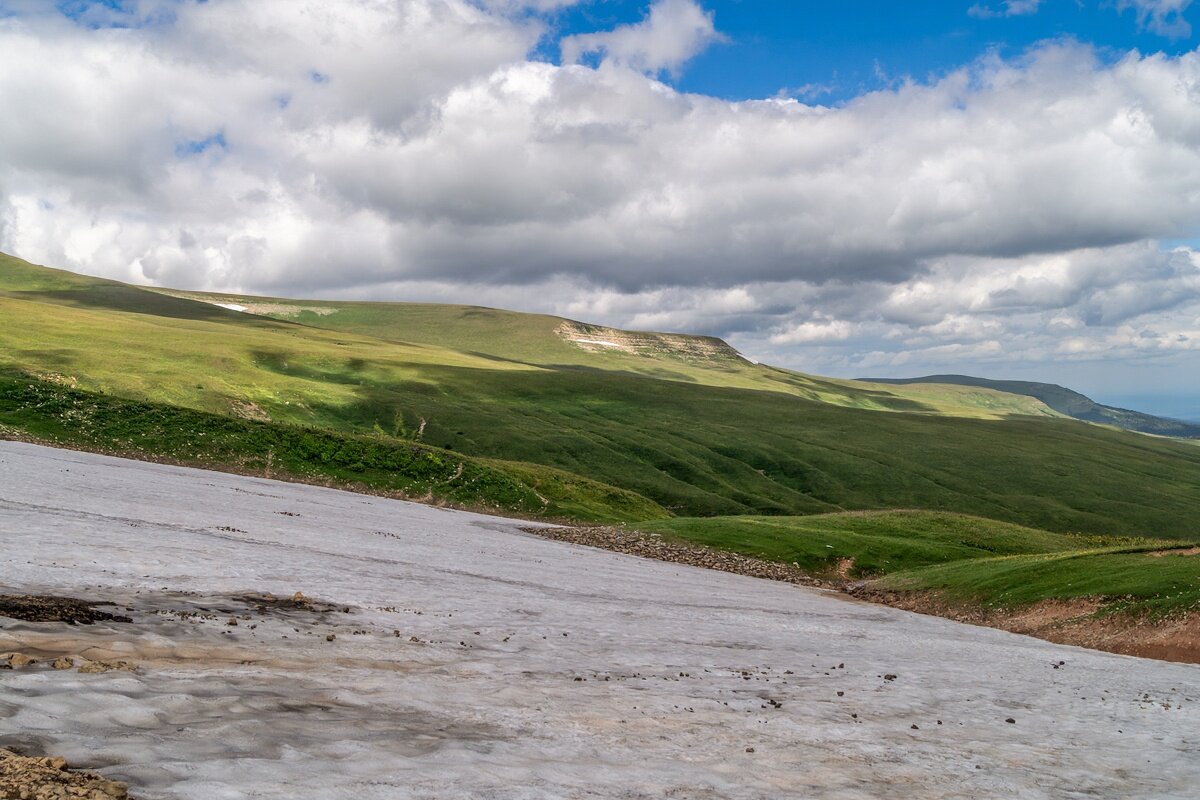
523 668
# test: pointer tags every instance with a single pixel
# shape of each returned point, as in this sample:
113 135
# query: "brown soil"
646 545
1080 622
47 608
24 778
267 603
247 410
1186 551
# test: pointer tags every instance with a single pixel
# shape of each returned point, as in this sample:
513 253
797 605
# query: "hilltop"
557 343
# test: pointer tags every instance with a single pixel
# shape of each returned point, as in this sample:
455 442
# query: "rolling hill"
1065 401
592 422
562 344
968 560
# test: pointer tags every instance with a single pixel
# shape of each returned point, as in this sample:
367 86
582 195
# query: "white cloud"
1007 8
373 148
1164 17
673 32
820 330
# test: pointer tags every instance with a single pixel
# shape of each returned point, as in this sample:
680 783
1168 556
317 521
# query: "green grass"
70 417
1126 580
1067 402
532 339
878 542
703 451
681 439
967 560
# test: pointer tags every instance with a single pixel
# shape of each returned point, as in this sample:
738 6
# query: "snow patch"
476 660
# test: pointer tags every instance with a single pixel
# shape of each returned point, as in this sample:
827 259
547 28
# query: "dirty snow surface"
473 660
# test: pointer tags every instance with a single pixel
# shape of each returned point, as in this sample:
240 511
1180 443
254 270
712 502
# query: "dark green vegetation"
540 416
966 560
1067 402
85 420
707 451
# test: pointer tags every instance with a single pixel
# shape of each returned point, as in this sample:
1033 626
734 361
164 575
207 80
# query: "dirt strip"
648 545
1081 622
1077 622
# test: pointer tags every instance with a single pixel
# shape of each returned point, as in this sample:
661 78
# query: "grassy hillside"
1126 579
702 450
216 355
867 543
754 445
560 344
1066 402
73 418
966 560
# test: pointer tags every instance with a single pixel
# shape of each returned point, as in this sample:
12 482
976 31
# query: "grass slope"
692 446
966 560
707 451
70 417
536 339
1066 402
876 542
1124 579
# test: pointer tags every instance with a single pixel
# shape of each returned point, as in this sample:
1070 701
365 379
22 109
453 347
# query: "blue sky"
1005 188
834 50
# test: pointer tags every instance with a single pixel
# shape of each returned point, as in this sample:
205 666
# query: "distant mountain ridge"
1066 401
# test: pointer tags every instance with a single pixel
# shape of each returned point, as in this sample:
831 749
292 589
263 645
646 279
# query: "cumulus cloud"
673 32
414 150
1008 8
1133 302
1164 17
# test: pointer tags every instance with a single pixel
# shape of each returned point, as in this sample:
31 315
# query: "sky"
1005 188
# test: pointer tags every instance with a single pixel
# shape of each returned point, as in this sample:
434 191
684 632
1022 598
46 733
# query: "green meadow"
966 560
1124 579
957 488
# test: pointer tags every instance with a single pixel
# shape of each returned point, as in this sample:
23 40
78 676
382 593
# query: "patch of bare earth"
1079 622
1187 551
648 545
597 338
248 410
48 608
26 778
